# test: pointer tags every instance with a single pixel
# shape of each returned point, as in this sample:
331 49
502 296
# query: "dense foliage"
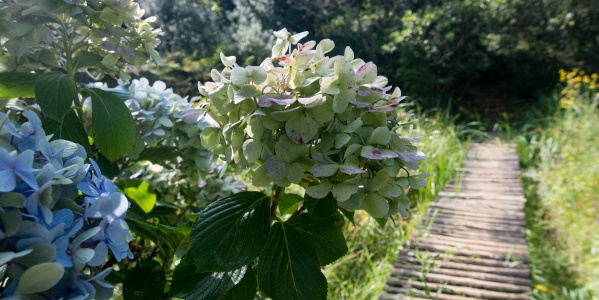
430 47
324 124
559 145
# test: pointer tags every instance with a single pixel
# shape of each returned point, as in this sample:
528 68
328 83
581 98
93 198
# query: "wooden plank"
471 253
482 195
484 276
433 277
443 218
496 244
502 252
466 291
498 215
446 263
407 293
476 234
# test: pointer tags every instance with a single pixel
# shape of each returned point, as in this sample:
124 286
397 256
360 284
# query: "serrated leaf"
141 196
69 129
112 124
55 92
245 289
188 283
289 267
231 232
289 203
158 154
321 208
39 278
144 283
326 236
14 85
86 60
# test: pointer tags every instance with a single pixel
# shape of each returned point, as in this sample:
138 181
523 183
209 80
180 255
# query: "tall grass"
362 274
559 149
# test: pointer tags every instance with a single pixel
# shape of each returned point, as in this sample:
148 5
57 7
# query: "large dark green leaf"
112 124
321 208
86 60
69 129
158 154
144 283
55 92
174 237
245 289
230 232
290 203
13 85
326 236
188 283
289 266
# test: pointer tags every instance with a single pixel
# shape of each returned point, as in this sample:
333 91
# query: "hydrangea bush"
319 136
59 217
328 124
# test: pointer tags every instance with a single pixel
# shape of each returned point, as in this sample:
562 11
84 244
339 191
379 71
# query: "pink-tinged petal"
285 60
398 99
389 107
387 153
349 168
364 93
371 153
367 72
268 100
309 100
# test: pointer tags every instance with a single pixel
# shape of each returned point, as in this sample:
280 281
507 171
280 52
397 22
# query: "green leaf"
141 196
230 232
321 208
188 283
144 283
112 124
326 236
158 154
348 214
173 237
289 203
14 85
69 129
55 92
289 266
86 60
376 205
245 289
39 278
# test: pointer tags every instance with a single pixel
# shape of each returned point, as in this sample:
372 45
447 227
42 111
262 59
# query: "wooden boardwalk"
471 244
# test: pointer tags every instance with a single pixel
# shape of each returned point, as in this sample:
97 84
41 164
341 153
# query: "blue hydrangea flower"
13 166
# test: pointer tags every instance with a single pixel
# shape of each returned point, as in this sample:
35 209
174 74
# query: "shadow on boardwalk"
471 244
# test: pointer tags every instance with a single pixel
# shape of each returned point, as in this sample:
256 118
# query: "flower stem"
276 199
